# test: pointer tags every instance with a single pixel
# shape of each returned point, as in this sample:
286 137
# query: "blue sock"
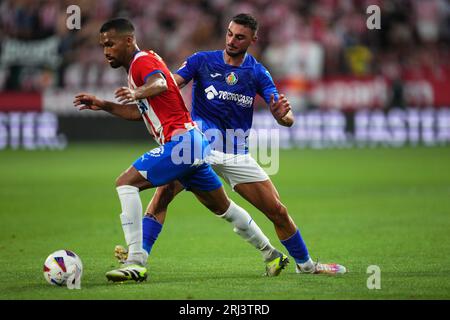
296 247
150 231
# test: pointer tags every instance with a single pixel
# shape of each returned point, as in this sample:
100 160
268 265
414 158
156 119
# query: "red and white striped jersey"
166 113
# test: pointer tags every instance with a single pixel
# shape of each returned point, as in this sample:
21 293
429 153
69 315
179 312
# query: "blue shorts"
182 159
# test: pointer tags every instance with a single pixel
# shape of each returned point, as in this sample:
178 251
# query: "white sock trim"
125 189
226 213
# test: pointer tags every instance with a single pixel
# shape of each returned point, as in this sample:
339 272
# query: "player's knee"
121 180
216 201
218 207
132 178
278 214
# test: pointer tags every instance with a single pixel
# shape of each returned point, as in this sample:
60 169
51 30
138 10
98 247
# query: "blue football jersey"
223 96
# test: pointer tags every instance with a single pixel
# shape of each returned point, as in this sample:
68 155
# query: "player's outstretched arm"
181 82
281 110
87 101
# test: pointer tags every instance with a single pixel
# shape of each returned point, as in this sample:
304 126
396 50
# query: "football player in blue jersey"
225 83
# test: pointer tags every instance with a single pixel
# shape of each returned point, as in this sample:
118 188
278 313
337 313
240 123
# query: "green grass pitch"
359 207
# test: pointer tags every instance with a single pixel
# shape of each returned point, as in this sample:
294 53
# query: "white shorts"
236 168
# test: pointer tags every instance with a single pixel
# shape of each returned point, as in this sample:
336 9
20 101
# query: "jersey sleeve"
188 69
143 68
265 87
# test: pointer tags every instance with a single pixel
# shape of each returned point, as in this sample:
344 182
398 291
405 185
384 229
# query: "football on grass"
59 264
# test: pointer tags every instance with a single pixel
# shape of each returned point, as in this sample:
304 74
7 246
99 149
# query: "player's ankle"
269 253
137 257
306 266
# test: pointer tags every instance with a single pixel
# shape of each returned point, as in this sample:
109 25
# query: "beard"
114 64
235 54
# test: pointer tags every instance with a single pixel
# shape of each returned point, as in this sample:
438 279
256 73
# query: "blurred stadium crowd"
300 40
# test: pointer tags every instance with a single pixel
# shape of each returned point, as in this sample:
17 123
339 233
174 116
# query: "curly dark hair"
246 20
118 24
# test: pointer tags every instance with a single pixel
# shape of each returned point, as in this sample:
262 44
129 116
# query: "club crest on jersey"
156 152
231 78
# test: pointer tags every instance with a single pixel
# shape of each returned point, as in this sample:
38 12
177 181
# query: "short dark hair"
246 20
118 24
